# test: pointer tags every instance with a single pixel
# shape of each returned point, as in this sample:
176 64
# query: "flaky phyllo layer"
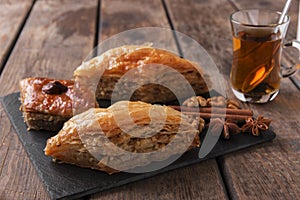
124 136
157 72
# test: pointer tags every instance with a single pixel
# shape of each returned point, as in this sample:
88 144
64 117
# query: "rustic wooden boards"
199 181
56 38
117 16
207 23
12 16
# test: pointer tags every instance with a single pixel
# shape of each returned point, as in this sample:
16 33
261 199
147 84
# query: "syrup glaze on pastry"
35 100
147 63
81 141
47 103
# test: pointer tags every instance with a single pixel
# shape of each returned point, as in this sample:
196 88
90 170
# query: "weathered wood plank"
296 80
207 23
56 38
194 182
12 16
117 16
201 181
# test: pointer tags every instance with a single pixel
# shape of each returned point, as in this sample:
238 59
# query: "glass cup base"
255 99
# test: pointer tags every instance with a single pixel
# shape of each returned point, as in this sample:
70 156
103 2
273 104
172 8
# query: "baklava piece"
47 103
153 75
106 140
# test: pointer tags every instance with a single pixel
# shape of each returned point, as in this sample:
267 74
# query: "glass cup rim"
286 21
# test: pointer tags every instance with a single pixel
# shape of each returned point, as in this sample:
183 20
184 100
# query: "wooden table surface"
51 38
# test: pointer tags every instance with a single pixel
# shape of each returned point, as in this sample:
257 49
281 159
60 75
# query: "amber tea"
256 63
258 37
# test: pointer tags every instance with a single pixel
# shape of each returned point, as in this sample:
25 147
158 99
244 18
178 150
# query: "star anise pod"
255 126
228 127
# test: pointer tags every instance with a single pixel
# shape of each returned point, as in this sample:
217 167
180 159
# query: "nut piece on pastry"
148 69
47 103
111 149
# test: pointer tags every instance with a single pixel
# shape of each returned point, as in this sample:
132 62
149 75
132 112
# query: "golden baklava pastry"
152 75
124 136
47 103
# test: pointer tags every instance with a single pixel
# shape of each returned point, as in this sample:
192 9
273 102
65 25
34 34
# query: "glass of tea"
257 47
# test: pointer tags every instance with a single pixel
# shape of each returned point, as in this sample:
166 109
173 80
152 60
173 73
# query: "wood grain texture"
117 16
207 23
13 14
201 181
296 80
55 39
194 182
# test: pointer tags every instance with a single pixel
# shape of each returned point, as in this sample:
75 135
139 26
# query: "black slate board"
64 181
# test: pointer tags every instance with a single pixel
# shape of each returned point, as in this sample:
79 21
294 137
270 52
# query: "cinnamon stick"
215 110
234 117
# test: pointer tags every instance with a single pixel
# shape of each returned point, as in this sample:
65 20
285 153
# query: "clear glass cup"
258 41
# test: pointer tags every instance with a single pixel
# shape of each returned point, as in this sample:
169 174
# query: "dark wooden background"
51 38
